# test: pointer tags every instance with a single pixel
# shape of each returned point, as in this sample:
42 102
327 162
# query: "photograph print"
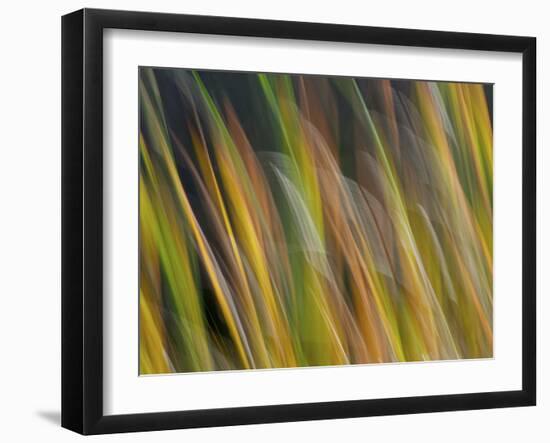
291 220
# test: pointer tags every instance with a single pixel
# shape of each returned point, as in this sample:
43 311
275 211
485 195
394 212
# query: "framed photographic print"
269 221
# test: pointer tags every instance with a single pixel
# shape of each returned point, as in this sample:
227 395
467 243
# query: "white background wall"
30 271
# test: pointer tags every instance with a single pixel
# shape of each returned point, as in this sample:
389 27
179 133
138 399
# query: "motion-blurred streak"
294 220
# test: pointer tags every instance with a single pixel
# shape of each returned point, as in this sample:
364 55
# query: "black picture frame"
82 220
